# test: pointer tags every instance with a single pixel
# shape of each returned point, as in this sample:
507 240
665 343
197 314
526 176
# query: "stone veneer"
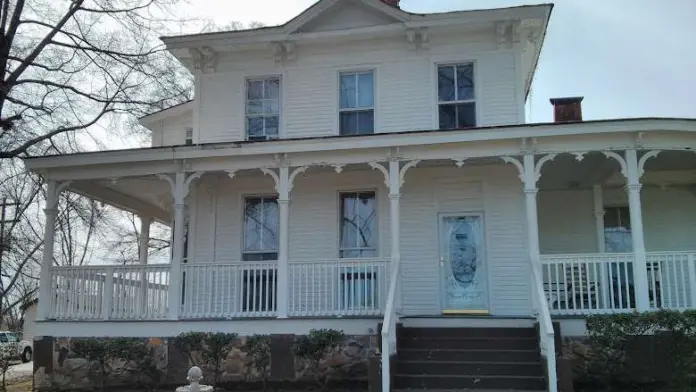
57 368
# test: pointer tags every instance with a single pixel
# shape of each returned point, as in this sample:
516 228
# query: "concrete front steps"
467 359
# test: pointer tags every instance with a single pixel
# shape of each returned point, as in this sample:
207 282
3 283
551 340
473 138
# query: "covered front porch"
608 265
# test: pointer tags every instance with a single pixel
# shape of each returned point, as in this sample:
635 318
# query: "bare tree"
66 65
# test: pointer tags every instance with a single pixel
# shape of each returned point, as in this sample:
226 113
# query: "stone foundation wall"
58 368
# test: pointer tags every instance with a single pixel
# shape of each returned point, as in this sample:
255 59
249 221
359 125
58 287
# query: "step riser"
467 332
469 344
469 356
474 369
425 382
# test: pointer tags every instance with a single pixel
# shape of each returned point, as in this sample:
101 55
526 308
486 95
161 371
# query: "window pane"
252 224
271 106
271 126
366 210
255 107
272 89
466 115
625 217
445 84
611 218
366 90
255 89
448 116
348 91
465 82
349 224
270 224
255 126
349 123
366 122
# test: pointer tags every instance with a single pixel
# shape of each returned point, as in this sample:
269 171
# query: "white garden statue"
195 375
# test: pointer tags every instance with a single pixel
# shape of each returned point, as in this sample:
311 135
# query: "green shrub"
213 347
259 354
135 352
315 346
612 337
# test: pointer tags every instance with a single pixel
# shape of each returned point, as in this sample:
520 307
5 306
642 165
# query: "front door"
463 264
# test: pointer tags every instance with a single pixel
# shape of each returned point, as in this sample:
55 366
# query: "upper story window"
358 225
456 96
189 137
357 103
261 218
263 108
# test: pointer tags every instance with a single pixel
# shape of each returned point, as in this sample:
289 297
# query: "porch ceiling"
565 171
145 196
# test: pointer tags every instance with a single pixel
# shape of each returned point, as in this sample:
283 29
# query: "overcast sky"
628 58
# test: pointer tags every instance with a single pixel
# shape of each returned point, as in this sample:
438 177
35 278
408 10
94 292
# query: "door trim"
484 238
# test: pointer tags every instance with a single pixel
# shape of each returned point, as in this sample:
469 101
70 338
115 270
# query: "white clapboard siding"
314 229
405 85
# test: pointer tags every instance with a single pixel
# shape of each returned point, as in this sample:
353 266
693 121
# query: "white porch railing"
135 292
242 289
388 331
672 280
547 336
342 287
579 284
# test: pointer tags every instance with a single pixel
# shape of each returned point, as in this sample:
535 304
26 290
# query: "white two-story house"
361 164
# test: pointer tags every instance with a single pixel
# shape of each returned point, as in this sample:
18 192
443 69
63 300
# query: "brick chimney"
393 3
567 109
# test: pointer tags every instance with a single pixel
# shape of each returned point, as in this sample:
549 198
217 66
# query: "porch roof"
128 179
43 164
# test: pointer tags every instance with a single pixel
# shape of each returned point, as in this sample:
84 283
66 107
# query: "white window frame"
439 103
246 106
340 224
243 245
373 108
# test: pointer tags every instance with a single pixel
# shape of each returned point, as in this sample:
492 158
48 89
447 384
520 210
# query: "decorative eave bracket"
204 59
284 51
418 38
511 32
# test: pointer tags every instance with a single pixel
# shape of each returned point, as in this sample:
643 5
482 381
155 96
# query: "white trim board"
166 328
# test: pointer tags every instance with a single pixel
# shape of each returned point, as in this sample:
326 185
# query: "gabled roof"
323 6
401 17
175 110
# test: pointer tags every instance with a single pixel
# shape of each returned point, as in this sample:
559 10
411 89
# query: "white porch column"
180 188
530 201
598 201
283 241
640 268
284 179
175 277
144 243
50 211
395 221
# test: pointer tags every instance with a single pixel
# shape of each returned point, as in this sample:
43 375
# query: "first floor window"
617 229
261 217
263 108
259 289
359 288
358 225
189 137
456 96
357 103
259 285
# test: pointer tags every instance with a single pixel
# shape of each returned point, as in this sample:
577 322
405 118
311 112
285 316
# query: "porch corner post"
45 286
283 293
395 218
640 268
143 245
